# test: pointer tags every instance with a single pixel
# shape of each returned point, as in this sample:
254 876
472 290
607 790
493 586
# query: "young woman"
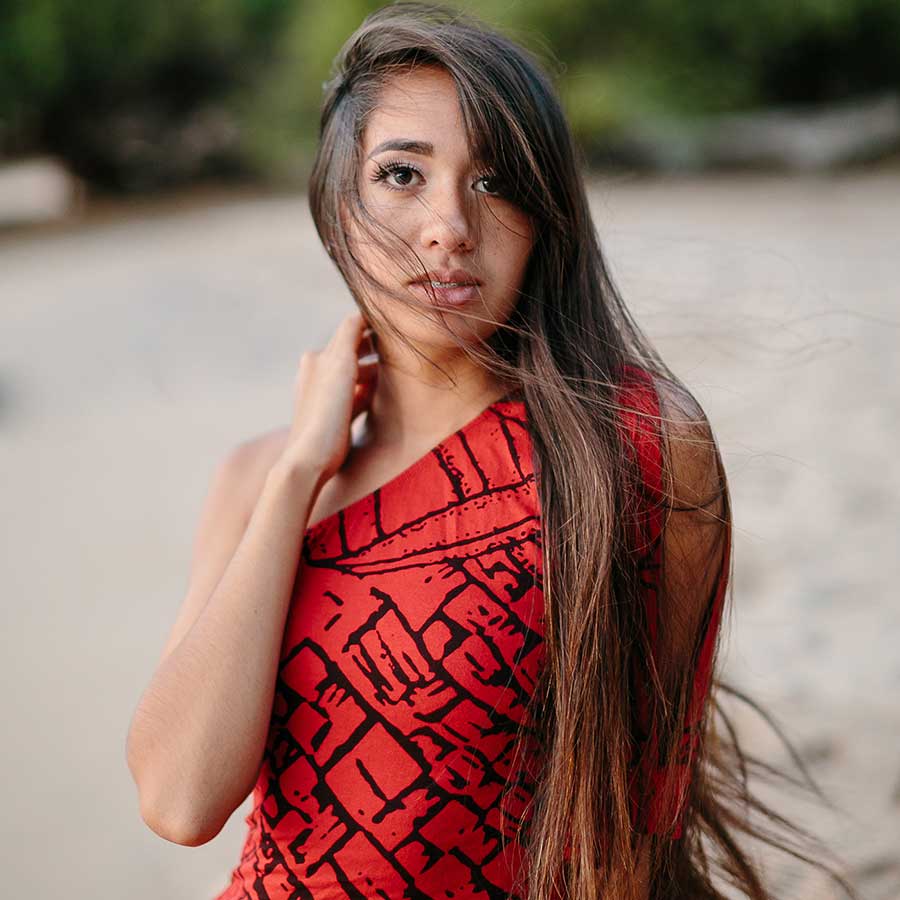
456 626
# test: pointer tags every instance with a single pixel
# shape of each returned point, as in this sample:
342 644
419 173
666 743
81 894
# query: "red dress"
412 644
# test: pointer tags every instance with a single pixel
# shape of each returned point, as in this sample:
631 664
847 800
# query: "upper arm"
696 537
684 557
234 488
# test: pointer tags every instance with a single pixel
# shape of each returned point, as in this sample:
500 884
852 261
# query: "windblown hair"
566 345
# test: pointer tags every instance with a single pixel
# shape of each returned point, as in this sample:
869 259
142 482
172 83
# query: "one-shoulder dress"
412 644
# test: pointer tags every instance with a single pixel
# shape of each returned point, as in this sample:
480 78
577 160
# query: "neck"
408 410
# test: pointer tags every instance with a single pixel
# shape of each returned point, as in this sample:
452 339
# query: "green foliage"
281 113
69 66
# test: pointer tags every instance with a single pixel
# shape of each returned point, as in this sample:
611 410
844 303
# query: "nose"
449 220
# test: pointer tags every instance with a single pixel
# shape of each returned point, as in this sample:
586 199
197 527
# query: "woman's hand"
331 389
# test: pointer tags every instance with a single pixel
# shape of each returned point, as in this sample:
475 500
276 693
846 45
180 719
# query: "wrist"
297 474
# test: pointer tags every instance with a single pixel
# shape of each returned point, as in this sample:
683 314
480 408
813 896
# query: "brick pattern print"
413 643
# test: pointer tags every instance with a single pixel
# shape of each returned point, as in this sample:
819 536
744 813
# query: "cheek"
365 240
392 227
516 242
509 230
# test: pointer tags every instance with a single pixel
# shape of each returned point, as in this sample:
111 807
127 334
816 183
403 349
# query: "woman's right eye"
398 170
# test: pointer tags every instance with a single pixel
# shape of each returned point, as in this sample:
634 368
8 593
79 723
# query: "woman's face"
418 180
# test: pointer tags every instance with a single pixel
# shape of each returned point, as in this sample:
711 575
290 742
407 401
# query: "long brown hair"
565 345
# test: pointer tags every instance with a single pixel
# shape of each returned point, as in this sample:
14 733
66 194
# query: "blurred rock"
796 139
37 190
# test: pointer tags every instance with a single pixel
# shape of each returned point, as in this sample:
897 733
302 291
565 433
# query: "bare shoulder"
234 489
246 466
696 529
679 408
695 463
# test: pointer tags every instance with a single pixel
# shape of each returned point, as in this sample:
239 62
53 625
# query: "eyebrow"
407 145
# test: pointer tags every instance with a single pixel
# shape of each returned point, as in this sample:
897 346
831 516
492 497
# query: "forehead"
420 105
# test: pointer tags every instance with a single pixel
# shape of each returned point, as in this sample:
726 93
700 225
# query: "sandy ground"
137 349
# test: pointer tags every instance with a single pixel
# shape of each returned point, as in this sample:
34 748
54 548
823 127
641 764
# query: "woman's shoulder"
263 449
672 439
249 462
661 396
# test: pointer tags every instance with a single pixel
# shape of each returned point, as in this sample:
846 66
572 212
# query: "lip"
453 296
447 275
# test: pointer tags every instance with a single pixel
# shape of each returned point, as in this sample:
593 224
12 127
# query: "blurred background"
160 277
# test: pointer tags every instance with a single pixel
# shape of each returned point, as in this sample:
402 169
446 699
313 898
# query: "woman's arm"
197 738
690 570
198 735
696 540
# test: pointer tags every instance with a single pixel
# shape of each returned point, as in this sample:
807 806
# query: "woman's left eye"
496 182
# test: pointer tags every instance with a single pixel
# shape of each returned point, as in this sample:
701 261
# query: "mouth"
453 287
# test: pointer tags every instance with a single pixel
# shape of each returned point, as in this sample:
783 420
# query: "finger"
348 329
355 333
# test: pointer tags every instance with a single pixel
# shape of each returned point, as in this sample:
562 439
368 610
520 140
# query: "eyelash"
383 170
